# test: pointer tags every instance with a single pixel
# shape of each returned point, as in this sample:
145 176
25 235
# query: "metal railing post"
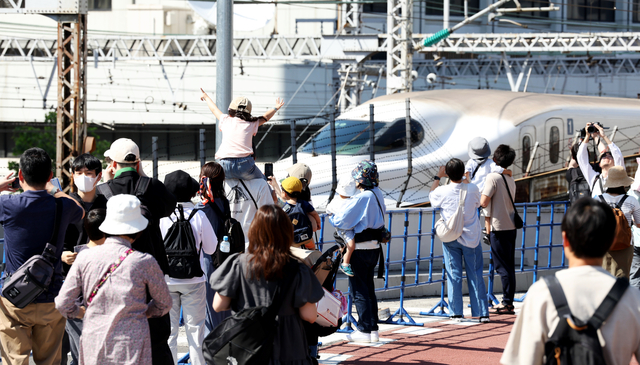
154 150
203 147
294 150
372 135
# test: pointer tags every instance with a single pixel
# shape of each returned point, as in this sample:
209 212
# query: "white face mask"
84 183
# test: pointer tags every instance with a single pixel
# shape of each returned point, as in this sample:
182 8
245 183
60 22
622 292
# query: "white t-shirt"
487 167
236 137
243 208
585 287
202 232
447 197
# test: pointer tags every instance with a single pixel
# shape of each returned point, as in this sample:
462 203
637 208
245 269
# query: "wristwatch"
436 177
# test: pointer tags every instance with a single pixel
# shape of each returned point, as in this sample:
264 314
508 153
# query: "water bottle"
225 246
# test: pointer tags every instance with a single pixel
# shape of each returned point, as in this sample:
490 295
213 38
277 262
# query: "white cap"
121 148
123 216
346 186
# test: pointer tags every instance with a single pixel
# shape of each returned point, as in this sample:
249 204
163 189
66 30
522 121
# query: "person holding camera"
609 157
28 220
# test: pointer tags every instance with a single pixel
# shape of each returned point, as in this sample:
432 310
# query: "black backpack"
232 229
302 228
574 342
578 186
139 191
180 244
247 336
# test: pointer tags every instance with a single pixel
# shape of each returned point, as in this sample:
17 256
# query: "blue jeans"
243 168
454 252
363 295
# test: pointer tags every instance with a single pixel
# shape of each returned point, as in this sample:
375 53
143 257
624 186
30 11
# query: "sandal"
503 309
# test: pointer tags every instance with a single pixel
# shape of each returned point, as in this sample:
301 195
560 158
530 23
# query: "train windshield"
351 137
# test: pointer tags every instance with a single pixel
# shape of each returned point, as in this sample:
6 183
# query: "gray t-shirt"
501 209
232 279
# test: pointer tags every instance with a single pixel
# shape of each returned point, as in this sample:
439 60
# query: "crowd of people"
134 255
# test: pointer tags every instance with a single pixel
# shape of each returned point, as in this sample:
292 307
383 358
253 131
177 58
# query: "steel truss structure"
72 90
399 46
165 49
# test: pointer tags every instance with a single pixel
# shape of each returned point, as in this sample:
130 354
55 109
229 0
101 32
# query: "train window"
554 145
352 136
394 137
526 152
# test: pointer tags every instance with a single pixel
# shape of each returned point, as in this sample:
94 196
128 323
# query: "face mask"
84 183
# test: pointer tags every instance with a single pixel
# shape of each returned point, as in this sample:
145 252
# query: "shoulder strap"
599 179
603 199
557 294
282 288
477 168
379 205
508 191
619 205
609 302
142 185
193 213
56 222
105 190
107 274
181 211
249 192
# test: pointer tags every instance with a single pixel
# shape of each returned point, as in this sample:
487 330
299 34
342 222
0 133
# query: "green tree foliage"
45 138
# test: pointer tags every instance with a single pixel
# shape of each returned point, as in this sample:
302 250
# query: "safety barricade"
538 248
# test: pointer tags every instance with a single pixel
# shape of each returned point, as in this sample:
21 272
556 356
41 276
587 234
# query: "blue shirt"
28 220
361 212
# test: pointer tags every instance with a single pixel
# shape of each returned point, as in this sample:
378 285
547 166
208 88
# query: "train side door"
554 153
525 153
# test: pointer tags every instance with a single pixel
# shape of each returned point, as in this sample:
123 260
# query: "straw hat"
123 216
617 177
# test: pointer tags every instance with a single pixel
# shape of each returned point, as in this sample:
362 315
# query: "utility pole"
399 46
224 59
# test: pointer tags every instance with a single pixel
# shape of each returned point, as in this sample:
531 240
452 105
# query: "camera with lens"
592 129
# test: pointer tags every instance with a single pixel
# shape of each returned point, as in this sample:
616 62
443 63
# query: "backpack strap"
609 302
181 211
603 199
141 186
557 294
599 179
619 205
193 212
477 167
249 192
105 190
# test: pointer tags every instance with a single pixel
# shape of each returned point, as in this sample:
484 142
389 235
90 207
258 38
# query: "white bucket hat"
123 216
346 186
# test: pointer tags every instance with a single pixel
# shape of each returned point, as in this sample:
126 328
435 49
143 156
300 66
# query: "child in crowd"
300 212
346 189
238 127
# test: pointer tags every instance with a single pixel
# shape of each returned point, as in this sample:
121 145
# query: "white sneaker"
357 336
374 336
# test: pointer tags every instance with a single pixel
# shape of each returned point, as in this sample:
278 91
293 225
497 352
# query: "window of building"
456 7
592 10
375 8
526 152
554 145
529 4
104 5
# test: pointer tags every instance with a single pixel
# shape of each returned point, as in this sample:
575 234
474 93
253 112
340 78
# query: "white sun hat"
123 216
346 186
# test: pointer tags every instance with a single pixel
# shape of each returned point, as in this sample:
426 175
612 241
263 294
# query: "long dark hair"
215 173
270 238
243 115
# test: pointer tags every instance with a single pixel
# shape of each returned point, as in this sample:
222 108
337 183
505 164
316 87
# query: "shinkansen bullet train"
442 124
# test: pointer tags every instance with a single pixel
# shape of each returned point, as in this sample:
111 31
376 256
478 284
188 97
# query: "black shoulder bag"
247 336
517 221
385 236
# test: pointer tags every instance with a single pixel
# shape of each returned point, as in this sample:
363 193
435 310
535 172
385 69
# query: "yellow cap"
292 185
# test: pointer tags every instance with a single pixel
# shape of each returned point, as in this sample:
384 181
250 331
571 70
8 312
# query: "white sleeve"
264 195
165 224
469 166
583 161
208 236
496 168
435 197
635 212
617 154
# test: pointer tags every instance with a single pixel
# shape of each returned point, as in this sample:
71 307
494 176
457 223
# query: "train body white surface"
444 121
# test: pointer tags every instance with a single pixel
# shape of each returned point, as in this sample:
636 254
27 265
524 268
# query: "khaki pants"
38 327
618 263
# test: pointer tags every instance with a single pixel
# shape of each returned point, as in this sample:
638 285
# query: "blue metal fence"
539 219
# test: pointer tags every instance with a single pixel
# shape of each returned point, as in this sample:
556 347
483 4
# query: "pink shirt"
236 137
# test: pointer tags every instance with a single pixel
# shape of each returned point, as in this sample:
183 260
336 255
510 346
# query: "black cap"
181 185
